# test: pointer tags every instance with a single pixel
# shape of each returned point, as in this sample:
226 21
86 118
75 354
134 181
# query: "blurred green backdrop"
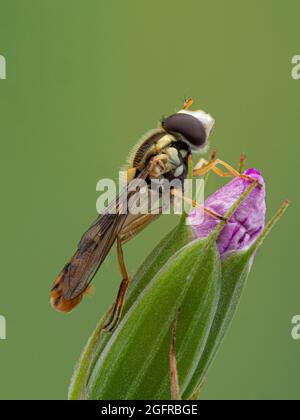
85 79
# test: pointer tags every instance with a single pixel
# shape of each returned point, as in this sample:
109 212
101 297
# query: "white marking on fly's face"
184 153
179 171
206 119
173 156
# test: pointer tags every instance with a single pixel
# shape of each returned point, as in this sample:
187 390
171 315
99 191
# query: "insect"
165 153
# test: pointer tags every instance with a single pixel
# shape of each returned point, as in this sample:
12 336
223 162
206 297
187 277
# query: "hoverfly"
165 152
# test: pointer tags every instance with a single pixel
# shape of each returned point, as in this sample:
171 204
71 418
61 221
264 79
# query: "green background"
85 79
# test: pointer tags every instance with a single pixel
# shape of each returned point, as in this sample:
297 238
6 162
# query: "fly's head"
192 127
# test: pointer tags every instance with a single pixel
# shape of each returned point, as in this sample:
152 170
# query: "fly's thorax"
172 162
152 145
136 158
167 153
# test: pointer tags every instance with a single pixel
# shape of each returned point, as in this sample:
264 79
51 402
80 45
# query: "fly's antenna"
188 103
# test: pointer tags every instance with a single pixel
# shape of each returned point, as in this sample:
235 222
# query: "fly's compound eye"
189 126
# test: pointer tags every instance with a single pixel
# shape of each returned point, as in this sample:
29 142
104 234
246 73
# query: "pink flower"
247 222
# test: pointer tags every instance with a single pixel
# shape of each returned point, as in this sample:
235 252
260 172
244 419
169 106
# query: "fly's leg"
204 162
211 159
129 232
199 206
191 201
213 166
118 306
158 165
201 164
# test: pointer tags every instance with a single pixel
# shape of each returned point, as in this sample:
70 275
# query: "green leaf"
180 236
77 388
175 240
134 364
235 270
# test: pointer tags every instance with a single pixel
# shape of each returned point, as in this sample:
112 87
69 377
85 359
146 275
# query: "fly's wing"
92 250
